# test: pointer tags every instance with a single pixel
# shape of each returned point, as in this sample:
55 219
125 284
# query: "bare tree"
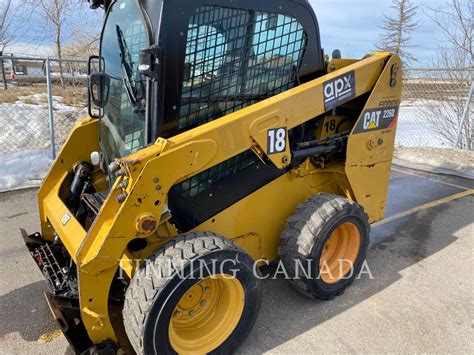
6 35
7 14
456 20
56 15
397 30
83 44
456 62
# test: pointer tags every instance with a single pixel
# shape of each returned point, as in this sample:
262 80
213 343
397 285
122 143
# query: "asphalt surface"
418 297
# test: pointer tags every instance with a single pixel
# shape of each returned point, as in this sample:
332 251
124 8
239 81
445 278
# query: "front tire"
197 294
324 245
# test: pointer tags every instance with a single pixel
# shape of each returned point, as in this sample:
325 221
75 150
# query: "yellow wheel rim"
339 253
206 315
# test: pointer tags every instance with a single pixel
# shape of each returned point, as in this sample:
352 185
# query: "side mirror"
96 85
95 4
98 88
93 61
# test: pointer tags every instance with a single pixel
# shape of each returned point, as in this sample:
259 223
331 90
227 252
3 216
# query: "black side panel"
198 199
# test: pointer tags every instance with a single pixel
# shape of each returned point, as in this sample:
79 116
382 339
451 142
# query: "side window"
135 40
278 42
205 49
235 58
205 53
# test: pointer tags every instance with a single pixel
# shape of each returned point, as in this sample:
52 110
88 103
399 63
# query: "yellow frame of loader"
154 170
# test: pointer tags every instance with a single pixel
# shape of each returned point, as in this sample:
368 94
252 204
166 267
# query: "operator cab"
170 66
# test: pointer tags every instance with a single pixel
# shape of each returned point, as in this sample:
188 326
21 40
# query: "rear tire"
323 231
182 309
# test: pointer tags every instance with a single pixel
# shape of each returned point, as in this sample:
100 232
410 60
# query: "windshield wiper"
133 95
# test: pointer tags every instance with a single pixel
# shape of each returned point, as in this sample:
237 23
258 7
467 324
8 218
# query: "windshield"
122 123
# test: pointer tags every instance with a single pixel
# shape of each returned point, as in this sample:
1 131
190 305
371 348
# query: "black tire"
150 301
305 235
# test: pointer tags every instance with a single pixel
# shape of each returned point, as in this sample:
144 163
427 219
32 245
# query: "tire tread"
140 295
303 229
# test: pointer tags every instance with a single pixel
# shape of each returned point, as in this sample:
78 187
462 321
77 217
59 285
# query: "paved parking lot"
419 300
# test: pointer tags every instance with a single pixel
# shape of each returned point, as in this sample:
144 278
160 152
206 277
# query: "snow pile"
439 161
414 130
25 154
38 98
25 123
23 126
23 169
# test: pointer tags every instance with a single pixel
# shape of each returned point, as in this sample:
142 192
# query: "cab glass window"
122 123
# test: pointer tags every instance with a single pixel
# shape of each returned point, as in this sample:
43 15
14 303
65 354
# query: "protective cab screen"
235 58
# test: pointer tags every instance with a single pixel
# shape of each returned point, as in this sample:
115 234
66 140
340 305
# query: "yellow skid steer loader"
220 138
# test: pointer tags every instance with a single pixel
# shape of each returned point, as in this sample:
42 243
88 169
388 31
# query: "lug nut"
206 290
203 303
121 198
192 312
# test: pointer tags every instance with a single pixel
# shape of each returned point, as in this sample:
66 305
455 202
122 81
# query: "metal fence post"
465 115
4 75
50 108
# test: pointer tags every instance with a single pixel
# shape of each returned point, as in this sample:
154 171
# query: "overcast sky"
353 27
349 25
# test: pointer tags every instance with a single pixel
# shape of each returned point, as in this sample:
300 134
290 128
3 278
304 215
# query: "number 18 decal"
276 140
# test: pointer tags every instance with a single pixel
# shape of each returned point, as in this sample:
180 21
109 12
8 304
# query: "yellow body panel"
255 222
369 154
82 141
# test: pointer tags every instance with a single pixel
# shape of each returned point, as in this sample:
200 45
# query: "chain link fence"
436 109
434 112
40 100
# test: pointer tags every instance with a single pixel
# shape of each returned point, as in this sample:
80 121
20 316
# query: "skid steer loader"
220 138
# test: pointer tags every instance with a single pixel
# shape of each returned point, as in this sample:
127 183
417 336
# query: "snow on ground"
413 128
23 126
25 149
23 169
25 123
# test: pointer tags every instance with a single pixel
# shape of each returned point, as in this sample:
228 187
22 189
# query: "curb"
469 174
